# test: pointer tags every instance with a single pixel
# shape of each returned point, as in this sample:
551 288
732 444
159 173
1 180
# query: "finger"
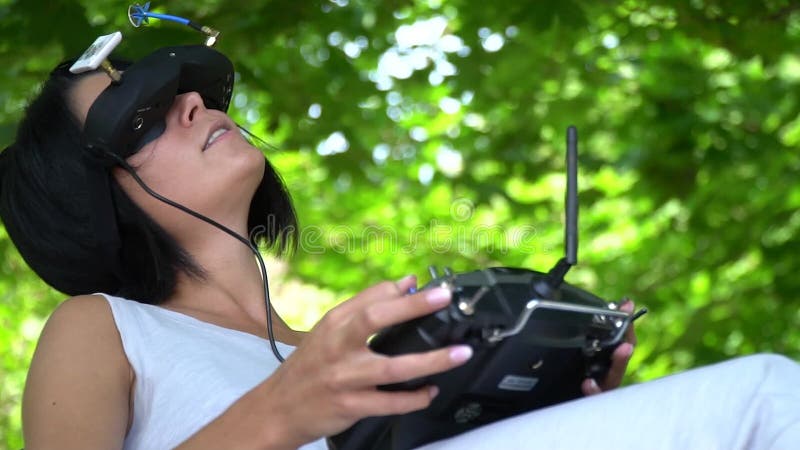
630 334
384 290
396 369
619 362
407 284
590 387
383 403
376 316
626 305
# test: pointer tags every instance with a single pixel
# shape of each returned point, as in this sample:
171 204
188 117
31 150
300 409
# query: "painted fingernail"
406 279
628 351
438 296
460 353
433 391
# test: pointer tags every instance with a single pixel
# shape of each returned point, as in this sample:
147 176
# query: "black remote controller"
535 339
491 306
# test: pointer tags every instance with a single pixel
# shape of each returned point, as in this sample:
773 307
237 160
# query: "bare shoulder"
82 323
83 309
77 392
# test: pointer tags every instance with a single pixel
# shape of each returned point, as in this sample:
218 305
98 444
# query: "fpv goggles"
130 112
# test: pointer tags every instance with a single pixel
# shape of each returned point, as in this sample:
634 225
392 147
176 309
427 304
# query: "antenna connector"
211 35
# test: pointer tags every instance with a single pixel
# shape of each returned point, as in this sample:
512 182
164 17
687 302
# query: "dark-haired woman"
177 357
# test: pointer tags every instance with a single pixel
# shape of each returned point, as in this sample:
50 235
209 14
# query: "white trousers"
746 403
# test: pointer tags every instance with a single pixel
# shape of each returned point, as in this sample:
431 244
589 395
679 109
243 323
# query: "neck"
232 291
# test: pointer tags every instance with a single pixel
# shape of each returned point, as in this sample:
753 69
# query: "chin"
250 169
233 192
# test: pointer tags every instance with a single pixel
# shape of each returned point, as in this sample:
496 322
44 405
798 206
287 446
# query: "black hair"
45 206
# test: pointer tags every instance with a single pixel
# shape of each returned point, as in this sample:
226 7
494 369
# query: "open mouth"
214 136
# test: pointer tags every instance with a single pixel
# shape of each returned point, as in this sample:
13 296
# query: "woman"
186 364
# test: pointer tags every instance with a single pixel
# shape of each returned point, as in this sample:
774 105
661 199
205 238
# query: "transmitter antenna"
571 198
546 287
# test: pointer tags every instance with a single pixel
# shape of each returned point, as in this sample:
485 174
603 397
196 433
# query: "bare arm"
77 395
77 392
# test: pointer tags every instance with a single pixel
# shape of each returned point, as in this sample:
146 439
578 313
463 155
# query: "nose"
186 106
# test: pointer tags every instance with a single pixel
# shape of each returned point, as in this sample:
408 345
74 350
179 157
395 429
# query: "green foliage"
424 132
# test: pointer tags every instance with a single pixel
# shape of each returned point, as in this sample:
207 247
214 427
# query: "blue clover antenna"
140 14
137 14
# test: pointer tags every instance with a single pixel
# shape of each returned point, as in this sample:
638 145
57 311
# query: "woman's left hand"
619 360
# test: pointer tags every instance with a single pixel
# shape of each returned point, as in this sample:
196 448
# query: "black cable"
251 245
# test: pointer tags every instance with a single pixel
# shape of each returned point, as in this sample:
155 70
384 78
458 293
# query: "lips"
213 137
218 127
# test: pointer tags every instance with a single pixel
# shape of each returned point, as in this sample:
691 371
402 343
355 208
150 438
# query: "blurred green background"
417 132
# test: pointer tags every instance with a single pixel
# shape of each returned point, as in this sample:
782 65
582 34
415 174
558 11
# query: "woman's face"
201 161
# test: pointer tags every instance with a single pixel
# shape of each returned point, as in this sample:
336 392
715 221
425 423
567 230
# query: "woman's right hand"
330 380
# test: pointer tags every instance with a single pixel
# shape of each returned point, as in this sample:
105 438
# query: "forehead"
85 92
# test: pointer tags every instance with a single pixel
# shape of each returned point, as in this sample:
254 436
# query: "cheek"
164 173
240 165
143 156
207 182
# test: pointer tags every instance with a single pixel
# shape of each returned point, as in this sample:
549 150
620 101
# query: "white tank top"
188 372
